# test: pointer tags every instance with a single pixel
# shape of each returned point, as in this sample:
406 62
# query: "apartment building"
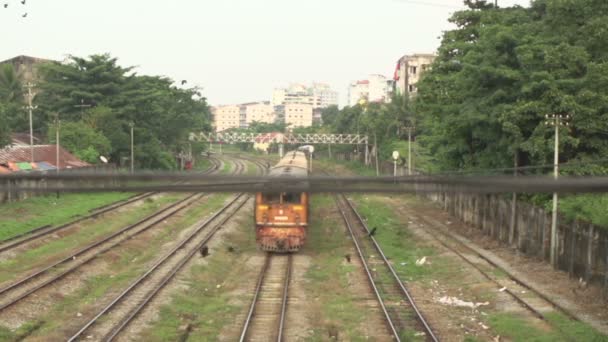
376 88
319 95
226 117
259 112
297 115
409 70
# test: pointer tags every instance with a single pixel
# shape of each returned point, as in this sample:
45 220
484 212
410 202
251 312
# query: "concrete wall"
583 247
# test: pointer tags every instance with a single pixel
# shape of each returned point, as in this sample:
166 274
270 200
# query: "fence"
13 193
582 247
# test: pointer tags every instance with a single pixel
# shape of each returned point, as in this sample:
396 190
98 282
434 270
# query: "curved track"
266 316
396 302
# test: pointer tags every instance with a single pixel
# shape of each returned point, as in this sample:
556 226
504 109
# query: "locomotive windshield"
280 198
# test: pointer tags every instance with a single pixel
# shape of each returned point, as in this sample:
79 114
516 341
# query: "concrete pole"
555 199
329 149
30 108
57 142
376 153
132 152
409 151
513 204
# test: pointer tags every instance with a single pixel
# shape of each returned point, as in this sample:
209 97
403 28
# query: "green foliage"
82 140
501 71
5 138
162 114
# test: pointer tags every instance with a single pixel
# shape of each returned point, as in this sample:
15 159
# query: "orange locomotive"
281 219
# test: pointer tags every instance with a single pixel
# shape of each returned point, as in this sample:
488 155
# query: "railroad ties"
402 316
266 316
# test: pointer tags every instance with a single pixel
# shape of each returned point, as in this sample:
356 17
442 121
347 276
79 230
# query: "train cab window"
272 198
291 198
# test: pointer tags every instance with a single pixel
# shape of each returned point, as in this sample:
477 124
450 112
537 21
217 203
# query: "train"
281 219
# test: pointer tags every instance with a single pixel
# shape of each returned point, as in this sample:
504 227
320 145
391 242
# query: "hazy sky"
237 50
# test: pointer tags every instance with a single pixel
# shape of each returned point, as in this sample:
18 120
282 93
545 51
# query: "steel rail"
150 296
256 296
396 277
16 241
370 277
285 299
158 217
513 278
258 288
37 233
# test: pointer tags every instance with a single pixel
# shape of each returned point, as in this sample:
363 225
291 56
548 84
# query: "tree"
82 140
5 133
163 115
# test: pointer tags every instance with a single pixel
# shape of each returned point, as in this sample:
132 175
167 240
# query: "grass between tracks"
21 217
40 255
340 313
210 293
403 249
112 272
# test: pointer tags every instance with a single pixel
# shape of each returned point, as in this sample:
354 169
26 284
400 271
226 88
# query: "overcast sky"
237 50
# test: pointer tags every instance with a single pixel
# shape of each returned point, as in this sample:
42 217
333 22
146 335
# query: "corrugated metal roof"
42 153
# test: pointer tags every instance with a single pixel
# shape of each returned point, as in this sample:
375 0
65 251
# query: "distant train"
281 219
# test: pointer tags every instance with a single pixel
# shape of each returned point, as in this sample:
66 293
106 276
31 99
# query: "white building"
374 89
320 95
259 112
298 115
409 70
226 117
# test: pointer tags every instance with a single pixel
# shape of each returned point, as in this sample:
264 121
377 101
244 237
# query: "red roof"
363 82
42 153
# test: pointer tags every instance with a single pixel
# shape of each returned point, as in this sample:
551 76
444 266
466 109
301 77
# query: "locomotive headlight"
297 207
262 207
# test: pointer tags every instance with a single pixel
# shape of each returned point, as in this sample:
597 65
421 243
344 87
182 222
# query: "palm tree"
11 89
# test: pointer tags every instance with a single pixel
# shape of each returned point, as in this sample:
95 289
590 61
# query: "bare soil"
586 301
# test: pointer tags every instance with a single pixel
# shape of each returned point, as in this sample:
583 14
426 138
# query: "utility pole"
30 108
132 152
57 123
410 129
376 153
555 120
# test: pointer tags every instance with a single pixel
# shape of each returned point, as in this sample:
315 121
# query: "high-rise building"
374 89
409 70
319 95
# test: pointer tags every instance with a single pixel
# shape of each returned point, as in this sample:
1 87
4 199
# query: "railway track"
114 317
41 278
41 232
513 288
266 316
403 317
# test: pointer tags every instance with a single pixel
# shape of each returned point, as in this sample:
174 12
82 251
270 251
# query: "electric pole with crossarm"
555 120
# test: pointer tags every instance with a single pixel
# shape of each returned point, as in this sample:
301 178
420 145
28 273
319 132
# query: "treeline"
96 102
497 74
